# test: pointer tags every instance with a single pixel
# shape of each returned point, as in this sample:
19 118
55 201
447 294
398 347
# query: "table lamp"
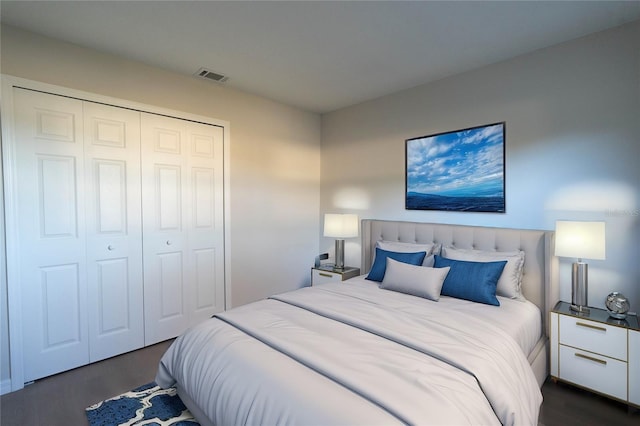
340 226
581 240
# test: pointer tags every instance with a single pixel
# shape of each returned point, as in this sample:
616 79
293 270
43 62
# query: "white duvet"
352 354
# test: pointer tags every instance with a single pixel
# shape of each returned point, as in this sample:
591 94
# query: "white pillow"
399 247
415 280
511 279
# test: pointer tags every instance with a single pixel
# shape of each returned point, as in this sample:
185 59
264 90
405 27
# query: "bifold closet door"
183 224
114 230
51 232
78 170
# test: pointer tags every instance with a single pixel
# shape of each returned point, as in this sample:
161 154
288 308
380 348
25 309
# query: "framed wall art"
461 170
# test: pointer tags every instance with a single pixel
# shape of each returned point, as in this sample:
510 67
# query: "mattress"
351 353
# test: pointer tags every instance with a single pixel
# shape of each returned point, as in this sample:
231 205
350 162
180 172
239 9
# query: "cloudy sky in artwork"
458 164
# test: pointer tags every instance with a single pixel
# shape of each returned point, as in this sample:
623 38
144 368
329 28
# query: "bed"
371 352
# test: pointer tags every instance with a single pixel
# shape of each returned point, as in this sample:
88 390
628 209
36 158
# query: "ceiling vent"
210 75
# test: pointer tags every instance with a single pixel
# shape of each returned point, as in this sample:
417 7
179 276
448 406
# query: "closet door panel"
114 230
170 265
168 188
164 191
51 244
205 272
183 224
60 288
58 207
206 233
114 308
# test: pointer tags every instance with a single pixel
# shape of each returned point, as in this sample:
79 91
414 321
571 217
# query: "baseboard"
5 386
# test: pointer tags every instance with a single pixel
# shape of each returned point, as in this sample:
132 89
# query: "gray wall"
275 157
572 115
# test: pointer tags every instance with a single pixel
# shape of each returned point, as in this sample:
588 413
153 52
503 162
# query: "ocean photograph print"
462 170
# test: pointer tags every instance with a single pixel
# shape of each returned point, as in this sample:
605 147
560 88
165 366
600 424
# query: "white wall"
572 116
275 157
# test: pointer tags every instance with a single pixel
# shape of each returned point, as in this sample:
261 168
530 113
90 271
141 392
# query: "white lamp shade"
582 240
340 225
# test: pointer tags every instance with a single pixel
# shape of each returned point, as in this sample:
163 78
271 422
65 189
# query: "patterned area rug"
147 405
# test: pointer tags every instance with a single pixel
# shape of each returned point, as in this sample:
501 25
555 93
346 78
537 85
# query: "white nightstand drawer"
602 374
322 277
594 337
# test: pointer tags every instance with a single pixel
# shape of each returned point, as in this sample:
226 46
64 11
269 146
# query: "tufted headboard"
540 275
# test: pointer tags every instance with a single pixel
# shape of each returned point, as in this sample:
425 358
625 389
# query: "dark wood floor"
567 405
60 400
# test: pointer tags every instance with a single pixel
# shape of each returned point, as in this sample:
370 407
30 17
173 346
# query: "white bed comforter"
352 354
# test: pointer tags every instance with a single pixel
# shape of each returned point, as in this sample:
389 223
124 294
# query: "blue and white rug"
147 405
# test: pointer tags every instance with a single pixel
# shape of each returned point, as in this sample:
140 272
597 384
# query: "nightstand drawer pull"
581 324
325 275
601 361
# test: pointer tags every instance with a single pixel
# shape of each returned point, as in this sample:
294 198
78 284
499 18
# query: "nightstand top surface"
331 268
599 315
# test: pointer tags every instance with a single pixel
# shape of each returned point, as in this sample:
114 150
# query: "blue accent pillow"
380 263
475 281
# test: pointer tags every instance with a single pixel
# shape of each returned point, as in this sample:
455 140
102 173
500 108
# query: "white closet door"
206 230
165 240
114 230
182 220
49 163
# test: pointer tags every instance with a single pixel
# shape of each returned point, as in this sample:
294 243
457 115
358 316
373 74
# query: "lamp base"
339 255
579 287
580 309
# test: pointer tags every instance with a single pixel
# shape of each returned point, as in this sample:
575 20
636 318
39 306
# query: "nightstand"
596 352
326 274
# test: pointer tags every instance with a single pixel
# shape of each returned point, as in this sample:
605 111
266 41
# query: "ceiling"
319 56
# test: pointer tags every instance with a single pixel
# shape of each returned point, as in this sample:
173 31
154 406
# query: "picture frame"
461 170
